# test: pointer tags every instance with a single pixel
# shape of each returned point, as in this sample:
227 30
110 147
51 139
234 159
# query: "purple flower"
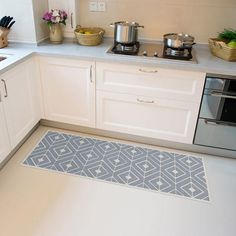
55 16
47 16
63 14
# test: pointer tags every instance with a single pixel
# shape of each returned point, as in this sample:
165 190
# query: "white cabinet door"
5 147
68 90
21 108
71 8
146 116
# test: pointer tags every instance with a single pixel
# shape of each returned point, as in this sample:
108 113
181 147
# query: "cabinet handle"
71 20
5 87
145 101
148 71
91 74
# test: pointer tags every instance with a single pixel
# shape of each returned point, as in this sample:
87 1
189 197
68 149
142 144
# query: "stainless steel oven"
217 118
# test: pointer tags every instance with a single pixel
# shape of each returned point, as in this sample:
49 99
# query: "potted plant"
54 18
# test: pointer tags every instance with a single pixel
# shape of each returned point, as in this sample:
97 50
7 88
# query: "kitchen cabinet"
5 146
71 8
151 102
19 89
68 90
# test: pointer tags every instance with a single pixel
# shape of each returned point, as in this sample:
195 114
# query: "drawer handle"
148 71
145 101
5 87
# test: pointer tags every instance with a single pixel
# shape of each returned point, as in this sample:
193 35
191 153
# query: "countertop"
206 62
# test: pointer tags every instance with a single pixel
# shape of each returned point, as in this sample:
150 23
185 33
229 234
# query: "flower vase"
56 35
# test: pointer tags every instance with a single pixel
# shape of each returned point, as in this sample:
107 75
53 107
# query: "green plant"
227 34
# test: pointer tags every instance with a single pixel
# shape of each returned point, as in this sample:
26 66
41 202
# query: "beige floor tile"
36 202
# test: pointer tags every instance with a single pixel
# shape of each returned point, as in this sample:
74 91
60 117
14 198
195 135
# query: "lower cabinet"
147 116
20 107
151 102
154 103
5 146
68 90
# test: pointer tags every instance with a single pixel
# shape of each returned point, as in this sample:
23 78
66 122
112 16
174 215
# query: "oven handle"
216 122
221 95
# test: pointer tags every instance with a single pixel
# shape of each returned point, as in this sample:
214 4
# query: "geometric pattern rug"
136 166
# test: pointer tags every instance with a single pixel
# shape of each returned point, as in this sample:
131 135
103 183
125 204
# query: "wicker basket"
221 50
92 39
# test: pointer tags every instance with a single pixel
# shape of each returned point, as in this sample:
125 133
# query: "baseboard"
140 139
10 155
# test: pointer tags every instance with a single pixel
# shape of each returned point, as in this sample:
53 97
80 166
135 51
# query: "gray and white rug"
120 163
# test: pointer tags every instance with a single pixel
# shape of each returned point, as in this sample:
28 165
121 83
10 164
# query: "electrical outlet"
93 6
101 6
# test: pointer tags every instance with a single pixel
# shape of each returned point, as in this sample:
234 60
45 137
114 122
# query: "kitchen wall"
29 27
200 18
23 30
39 8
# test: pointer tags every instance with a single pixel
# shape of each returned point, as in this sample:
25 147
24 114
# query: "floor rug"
151 169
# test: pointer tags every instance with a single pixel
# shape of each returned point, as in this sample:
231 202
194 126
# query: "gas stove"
151 50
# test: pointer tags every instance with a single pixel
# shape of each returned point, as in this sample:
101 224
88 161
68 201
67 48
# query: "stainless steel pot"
178 40
126 32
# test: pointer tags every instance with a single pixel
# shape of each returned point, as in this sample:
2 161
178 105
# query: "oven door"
219 101
215 134
217 119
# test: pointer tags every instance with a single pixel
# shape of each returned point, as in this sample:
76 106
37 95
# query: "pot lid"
127 23
179 36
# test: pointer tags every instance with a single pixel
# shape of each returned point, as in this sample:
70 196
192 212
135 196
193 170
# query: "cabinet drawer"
155 82
146 116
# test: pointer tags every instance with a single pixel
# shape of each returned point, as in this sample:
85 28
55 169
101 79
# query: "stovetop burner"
180 54
126 49
158 51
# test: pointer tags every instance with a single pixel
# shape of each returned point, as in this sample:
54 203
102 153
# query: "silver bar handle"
145 101
208 122
148 71
91 74
221 95
215 122
71 20
5 87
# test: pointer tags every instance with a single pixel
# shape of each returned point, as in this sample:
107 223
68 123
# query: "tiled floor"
35 202
150 169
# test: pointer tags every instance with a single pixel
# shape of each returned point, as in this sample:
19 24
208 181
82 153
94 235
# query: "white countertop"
16 52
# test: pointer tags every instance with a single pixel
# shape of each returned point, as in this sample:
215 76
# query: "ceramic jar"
56 35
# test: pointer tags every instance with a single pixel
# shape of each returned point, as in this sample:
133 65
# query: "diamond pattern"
120 163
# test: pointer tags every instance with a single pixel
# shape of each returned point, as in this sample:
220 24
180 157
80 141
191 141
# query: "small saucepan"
178 40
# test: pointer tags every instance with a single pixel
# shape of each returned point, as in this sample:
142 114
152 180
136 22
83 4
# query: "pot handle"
188 43
140 26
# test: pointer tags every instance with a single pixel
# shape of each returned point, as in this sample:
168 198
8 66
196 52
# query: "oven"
216 125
